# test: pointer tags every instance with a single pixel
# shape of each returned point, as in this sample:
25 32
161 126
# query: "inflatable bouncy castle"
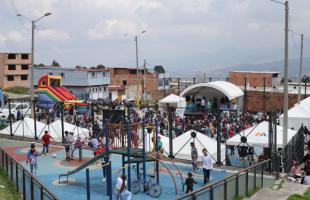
51 92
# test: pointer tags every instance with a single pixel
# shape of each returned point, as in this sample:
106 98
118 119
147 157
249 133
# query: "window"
96 89
99 89
24 67
50 73
25 56
11 56
93 74
10 78
23 77
11 67
104 89
43 83
62 75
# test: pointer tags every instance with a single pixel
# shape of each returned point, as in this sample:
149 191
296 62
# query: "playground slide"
86 164
68 95
54 92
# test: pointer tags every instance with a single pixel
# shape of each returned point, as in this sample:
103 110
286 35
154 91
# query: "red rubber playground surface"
49 168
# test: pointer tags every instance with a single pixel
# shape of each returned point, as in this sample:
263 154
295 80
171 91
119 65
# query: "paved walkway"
282 194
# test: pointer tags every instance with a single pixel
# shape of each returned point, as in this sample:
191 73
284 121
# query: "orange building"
254 78
14 69
125 81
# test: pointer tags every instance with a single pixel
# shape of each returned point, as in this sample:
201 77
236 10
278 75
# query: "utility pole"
285 106
300 67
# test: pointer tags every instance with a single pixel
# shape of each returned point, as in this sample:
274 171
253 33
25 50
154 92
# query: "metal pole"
109 180
32 66
62 121
178 85
35 120
10 118
170 133
128 149
137 65
144 85
264 96
194 81
270 138
157 164
143 151
87 184
300 67
218 136
285 105
245 93
305 89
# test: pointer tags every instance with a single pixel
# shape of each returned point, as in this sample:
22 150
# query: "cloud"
253 27
51 34
2 40
14 36
113 27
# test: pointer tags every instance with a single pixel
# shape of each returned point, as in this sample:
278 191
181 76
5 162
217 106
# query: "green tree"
55 63
305 79
159 69
100 66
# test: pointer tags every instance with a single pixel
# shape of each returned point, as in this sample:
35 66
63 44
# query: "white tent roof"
55 130
148 141
172 99
201 141
258 135
25 128
228 89
298 115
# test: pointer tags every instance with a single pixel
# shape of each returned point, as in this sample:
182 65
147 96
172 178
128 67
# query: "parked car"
23 108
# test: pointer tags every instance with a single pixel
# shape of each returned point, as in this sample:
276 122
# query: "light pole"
33 24
137 64
285 100
300 67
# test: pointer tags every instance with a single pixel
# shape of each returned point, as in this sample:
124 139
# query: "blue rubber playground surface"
49 168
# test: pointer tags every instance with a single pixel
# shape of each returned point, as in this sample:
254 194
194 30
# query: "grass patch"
9 192
305 196
240 197
18 90
251 193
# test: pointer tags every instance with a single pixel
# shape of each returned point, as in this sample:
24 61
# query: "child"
189 182
32 159
120 189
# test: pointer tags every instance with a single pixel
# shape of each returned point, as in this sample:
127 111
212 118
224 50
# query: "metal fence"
294 150
240 184
26 184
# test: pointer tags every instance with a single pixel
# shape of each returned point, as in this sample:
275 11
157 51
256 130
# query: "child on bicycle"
189 182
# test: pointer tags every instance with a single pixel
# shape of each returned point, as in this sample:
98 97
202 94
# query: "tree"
100 66
159 69
288 80
55 63
305 79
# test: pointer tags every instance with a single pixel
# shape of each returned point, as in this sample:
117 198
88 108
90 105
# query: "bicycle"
151 188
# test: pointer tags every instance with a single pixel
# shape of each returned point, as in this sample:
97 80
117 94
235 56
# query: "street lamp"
32 55
137 63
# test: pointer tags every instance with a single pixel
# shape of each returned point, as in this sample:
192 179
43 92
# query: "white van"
24 109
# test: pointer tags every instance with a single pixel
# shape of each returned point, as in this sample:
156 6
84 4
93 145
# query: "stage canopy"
216 89
258 136
182 149
176 101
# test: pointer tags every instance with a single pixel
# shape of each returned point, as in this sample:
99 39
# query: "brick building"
124 82
14 69
254 78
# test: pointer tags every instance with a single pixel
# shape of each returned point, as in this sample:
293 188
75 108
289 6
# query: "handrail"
222 180
51 194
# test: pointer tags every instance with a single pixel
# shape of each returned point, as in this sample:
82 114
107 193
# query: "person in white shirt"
120 188
207 165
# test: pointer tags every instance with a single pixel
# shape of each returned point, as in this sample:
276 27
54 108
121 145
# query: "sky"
182 35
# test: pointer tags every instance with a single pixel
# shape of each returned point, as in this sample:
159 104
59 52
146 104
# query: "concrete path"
282 194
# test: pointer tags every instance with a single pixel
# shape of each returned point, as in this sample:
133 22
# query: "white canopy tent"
298 115
148 141
201 141
176 101
25 128
55 130
258 136
230 90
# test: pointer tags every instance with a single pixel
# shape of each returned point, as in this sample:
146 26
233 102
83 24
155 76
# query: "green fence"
243 183
26 184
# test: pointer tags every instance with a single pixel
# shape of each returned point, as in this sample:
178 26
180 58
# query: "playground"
51 166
